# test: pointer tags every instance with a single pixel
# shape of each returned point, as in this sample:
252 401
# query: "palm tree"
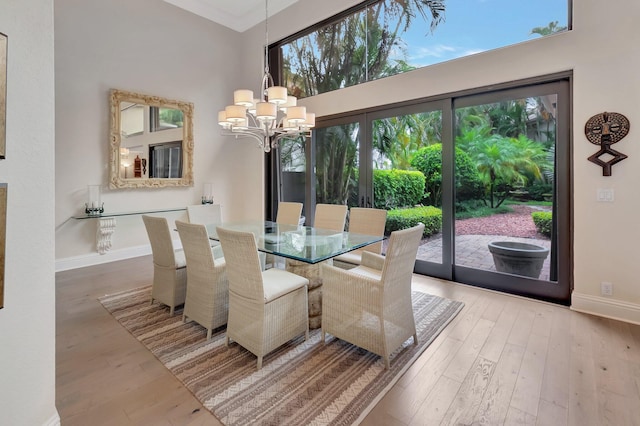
552 28
396 139
356 48
505 163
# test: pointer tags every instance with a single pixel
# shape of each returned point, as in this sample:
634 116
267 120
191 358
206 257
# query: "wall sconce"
207 193
93 206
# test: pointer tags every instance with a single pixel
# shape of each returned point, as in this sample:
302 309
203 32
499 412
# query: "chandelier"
269 118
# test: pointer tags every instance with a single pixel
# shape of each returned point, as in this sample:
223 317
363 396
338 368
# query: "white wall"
27 322
603 55
151 47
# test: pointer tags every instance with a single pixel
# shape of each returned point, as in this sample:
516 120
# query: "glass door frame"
559 83
560 290
440 270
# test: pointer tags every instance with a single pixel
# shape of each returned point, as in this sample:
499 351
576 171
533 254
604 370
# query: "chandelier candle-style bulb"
277 94
266 111
243 97
236 113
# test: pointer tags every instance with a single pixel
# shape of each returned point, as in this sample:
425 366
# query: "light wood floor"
503 360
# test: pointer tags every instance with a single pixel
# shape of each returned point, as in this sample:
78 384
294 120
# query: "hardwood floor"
503 360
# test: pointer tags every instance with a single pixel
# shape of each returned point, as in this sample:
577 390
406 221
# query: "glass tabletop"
303 243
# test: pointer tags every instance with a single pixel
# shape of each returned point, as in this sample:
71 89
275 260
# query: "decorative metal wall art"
605 129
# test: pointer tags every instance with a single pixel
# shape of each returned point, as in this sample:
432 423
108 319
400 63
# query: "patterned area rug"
300 383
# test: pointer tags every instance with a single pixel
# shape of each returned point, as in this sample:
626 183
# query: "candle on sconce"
207 193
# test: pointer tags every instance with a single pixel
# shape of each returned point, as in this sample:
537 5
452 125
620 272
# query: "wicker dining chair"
266 308
330 216
370 305
366 221
207 299
169 265
204 214
207 214
288 213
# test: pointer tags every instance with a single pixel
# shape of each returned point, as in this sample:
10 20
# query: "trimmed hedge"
543 221
397 188
468 183
406 218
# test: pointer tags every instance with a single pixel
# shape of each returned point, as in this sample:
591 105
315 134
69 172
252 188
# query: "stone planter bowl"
518 258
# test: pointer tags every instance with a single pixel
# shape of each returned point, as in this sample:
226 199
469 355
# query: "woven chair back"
204 214
288 213
401 257
368 221
197 249
330 216
160 239
243 264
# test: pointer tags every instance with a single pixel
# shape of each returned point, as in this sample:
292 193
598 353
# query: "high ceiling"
239 15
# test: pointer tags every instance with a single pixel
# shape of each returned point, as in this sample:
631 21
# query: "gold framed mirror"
151 141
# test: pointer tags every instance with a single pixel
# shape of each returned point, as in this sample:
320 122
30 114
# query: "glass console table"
106 224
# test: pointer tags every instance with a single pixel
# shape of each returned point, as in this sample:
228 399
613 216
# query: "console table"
106 224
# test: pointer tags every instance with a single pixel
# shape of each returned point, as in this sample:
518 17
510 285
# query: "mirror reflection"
151 141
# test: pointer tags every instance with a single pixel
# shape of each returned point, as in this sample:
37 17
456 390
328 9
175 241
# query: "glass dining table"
302 243
305 248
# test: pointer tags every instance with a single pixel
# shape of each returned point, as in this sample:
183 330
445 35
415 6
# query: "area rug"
301 383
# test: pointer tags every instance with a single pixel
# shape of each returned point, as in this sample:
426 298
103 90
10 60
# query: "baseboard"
97 259
53 421
606 307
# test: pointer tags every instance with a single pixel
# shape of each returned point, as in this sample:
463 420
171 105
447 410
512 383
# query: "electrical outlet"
606 289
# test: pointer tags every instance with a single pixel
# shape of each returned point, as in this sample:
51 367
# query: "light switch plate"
604 195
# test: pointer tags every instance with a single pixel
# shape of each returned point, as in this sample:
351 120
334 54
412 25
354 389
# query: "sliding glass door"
488 173
509 213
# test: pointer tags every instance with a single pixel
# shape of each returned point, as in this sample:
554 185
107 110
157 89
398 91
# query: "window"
381 38
166 160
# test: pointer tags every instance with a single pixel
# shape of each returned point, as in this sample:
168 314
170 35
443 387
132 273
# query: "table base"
312 273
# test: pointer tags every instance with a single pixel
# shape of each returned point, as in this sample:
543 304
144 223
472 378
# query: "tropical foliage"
429 161
336 164
406 218
397 188
355 49
543 222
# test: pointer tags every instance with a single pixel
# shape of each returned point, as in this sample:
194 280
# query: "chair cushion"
353 257
367 272
181 260
278 282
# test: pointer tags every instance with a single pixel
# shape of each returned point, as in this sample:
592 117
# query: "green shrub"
538 190
429 161
406 218
543 221
397 188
